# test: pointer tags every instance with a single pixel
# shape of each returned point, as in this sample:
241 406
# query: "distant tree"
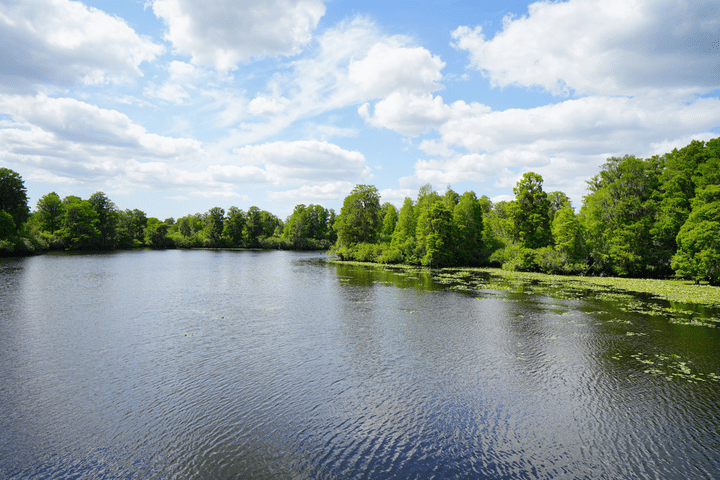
438 248
7 225
254 226
556 201
530 212
107 219
131 228
698 255
13 196
389 215
49 212
403 237
214 224
467 243
79 224
567 234
234 226
359 218
156 234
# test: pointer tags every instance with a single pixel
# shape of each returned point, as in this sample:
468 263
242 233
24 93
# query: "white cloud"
223 33
590 124
308 160
267 106
62 43
88 126
407 113
316 194
611 47
389 67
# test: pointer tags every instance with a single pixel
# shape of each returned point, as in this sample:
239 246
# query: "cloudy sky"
176 106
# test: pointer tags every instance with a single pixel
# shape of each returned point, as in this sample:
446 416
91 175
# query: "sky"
178 106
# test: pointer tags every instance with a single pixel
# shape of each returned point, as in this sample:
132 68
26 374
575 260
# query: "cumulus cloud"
61 43
306 160
590 124
391 66
70 120
223 33
316 194
407 113
614 47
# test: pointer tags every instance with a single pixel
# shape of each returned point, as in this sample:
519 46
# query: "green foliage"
79 224
131 228
7 225
49 212
438 240
389 216
359 218
234 227
698 255
467 244
568 235
530 213
156 234
13 196
619 216
214 225
107 219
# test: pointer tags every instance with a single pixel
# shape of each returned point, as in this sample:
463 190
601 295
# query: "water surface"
230 364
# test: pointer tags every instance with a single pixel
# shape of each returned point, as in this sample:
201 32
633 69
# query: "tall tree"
79 224
359 218
13 196
530 212
438 247
214 224
468 230
107 219
234 226
49 212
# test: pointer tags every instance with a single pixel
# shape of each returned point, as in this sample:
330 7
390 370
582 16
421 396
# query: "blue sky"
177 106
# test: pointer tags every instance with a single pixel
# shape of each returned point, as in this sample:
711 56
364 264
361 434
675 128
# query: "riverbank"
677 291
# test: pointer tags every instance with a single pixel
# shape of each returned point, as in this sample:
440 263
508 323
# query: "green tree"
254 226
214 225
439 237
359 218
79 224
156 234
619 216
7 225
389 215
698 255
468 230
234 226
567 235
49 212
107 219
403 237
530 213
13 196
131 228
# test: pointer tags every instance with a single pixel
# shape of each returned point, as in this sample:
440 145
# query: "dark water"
201 364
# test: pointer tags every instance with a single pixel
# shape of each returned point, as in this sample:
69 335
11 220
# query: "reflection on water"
210 364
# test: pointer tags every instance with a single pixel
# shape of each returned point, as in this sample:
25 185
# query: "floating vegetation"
673 300
673 367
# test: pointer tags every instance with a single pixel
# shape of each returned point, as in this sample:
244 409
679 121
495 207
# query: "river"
239 364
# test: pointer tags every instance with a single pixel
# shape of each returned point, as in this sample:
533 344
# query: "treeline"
654 217
72 223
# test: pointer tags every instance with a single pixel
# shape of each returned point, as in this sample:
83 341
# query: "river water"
238 364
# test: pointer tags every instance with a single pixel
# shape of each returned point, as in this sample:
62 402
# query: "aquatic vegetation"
672 367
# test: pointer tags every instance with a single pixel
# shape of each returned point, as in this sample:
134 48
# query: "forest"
655 218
